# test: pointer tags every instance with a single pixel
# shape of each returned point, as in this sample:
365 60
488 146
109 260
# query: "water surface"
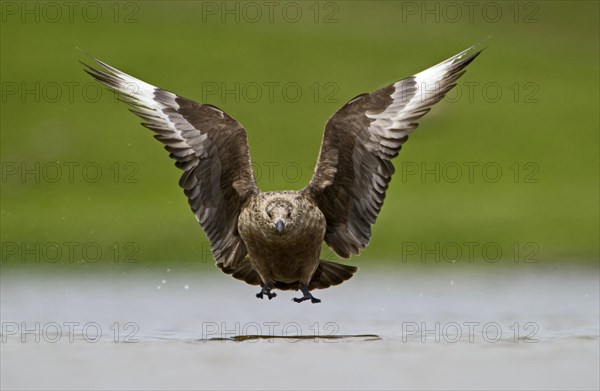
385 329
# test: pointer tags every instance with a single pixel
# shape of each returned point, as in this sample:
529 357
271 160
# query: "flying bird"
273 239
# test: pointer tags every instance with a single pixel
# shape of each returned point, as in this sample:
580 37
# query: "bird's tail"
330 273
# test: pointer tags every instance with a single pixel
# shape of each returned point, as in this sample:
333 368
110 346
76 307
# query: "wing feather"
207 144
354 167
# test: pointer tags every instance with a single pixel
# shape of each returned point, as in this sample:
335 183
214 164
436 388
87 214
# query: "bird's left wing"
207 144
360 139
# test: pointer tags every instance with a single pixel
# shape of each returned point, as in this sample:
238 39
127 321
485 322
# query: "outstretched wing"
361 138
207 144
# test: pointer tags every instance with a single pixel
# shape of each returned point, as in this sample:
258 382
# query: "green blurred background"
532 112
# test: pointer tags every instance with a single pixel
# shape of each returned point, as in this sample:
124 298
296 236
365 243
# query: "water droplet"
451 282
186 287
164 281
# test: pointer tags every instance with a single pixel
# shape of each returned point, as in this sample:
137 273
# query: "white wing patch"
144 97
430 83
413 97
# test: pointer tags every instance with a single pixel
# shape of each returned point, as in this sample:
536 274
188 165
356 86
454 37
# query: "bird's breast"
288 253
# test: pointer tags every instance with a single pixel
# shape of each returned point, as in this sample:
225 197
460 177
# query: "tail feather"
244 271
327 274
330 273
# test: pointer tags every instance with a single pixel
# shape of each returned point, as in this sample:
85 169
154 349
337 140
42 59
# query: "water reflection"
295 338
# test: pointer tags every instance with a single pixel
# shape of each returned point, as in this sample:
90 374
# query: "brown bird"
274 239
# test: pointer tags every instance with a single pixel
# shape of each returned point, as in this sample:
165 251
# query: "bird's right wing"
207 144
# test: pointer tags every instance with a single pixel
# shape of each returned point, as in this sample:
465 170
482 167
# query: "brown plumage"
274 239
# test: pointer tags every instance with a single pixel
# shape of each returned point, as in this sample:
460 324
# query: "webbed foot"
266 290
306 296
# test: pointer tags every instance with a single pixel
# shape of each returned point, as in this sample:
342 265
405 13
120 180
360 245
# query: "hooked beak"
279 226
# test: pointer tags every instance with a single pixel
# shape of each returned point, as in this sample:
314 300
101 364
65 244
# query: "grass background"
543 56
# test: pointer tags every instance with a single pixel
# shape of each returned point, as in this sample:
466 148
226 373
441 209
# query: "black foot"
307 296
266 290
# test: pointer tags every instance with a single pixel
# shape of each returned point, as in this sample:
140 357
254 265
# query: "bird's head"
280 214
